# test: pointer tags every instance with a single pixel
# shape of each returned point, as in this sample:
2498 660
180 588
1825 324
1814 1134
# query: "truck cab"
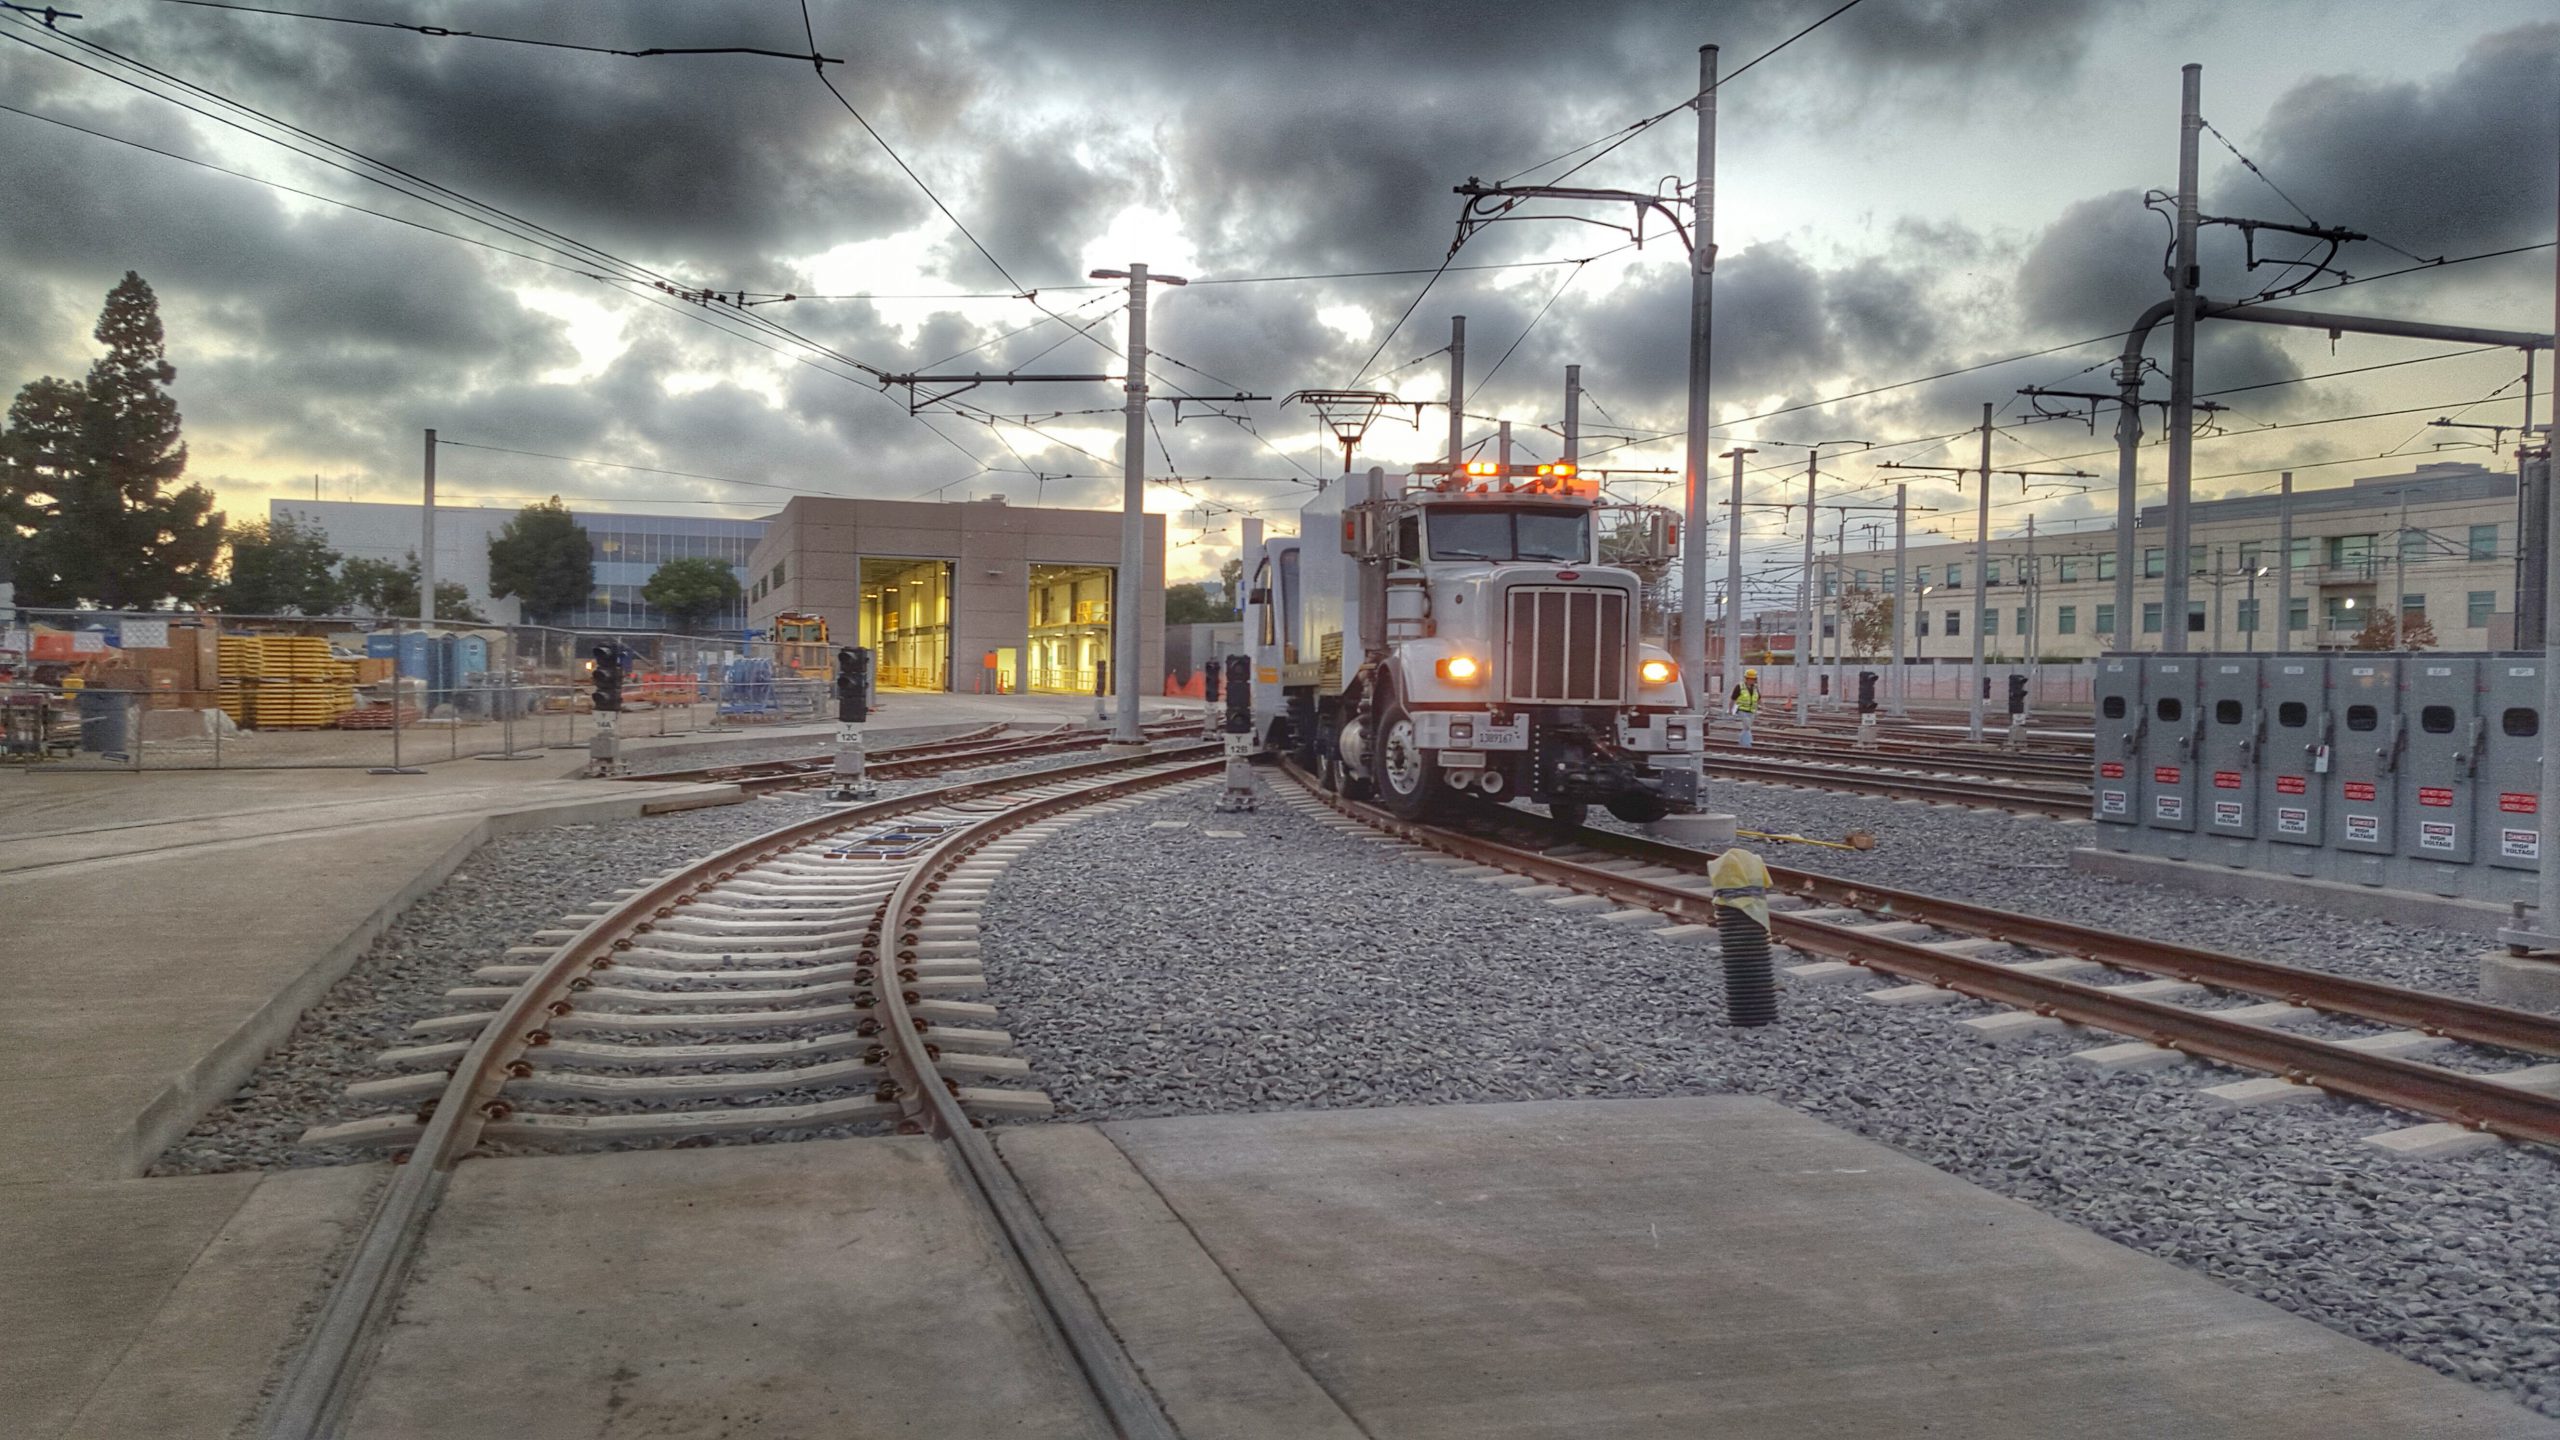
1476 631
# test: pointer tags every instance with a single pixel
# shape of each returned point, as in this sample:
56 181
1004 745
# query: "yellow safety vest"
1746 700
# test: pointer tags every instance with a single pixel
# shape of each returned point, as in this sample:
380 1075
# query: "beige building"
979 596
2441 538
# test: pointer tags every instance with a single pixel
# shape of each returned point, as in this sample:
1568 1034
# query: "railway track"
2024 797
1986 765
810 973
978 747
2046 971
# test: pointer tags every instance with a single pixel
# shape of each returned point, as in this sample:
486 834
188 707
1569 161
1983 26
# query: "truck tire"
1408 778
1640 809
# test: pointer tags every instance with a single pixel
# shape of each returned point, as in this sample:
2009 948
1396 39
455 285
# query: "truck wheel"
1569 814
1408 778
1640 809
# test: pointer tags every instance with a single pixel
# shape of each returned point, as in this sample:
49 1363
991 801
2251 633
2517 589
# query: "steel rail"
2452 1016
2471 1101
1988 766
757 777
322 1380
2038 800
1068 1311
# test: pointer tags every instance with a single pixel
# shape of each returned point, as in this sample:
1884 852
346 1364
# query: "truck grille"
1567 645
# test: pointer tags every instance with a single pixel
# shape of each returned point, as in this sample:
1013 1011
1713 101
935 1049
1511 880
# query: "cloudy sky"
1916 187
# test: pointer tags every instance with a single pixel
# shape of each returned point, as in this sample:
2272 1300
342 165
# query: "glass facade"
1070 626
906 622
628 549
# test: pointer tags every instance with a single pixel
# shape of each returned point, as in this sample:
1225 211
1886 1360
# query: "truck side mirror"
1258 595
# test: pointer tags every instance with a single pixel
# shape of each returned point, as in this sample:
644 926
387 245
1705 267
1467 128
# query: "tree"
543 559
1231 578
279 566
85 471
392 591
1194 605
1871 615
2384 632
692 590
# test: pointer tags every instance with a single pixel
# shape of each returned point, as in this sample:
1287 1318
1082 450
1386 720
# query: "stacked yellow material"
298 684
243 662
297 657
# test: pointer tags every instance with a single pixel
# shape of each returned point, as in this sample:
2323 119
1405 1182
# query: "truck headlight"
1460 670
1658 672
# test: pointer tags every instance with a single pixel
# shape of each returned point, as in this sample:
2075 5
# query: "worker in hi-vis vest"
1746 702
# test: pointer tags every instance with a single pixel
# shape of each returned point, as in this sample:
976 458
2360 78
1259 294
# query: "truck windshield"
1560 537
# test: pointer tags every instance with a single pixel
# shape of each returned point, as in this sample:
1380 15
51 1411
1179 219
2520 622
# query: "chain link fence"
180 691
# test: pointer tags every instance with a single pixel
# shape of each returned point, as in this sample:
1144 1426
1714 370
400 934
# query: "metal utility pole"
427 541
1901 586
1981 559
1804 589
1457 393
2284 566
1133 509
2182 368
1840 611
1573 414
2399 611
1502 445
1702 284
2542 935
1732 580
2218 577
2034 579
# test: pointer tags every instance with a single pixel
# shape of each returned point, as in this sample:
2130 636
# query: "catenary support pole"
1573 414
1902 586
2284 566
1133 522
1840 612
427 545
1804 589
2182 370
1981 591
1502 446
1693 552
2034 580
1732 575
1457 392
2399 611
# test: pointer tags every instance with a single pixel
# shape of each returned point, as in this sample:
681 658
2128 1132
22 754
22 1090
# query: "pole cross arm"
2339 324
1490 204
963 384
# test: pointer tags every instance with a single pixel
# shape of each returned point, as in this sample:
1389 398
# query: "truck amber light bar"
1658 672
1459 670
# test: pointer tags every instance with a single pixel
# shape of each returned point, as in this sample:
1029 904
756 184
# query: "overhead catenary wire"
442 33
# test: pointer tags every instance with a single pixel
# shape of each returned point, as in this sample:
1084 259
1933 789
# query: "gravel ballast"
1293 967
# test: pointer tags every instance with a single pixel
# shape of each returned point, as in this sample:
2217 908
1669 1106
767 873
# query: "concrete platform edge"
176 1108
2360 902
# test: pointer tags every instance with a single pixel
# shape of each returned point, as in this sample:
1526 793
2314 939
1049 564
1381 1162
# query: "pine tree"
543 559
87 471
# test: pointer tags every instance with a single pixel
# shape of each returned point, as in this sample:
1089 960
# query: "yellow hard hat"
1750 674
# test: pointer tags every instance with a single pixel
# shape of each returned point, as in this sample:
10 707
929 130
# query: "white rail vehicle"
1434 634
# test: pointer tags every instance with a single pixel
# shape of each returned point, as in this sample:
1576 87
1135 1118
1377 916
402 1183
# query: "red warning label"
2359 790
2111 770
2436 796
2291 785
2164 775
2519 802
2226 779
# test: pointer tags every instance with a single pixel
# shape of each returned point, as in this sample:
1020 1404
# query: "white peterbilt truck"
1429 635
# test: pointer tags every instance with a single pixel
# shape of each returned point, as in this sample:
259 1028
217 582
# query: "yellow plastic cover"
1742 883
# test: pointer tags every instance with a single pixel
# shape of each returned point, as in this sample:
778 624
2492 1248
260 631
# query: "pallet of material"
380 717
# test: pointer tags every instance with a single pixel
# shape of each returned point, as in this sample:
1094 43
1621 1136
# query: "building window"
2066 620
2195 559
2484 542
1955 623
2341 612
2106 620
2249 555
2478 606
2413 546
2153 567
2107 565
2349 549
2195 617
1920 621
2413 607
2248 617
2068 567
2151 614
2297 613
1990 622
2021 618
1990 572
2298 554
777 573
1893 577
1955 576
1830 583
